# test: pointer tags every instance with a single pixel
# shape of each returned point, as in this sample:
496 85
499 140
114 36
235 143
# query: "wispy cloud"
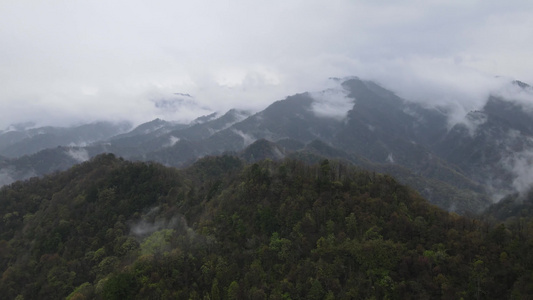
78 154
332 103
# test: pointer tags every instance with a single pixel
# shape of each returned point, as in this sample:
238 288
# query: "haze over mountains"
459 165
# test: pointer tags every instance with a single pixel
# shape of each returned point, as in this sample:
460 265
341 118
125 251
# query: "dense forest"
226 229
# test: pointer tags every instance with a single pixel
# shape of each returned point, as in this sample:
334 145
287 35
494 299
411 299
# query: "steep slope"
113 229
202 129
381 122
494 146
144 132
292 118
164 141
386 129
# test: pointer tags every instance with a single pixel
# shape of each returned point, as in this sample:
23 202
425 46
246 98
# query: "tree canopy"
224 229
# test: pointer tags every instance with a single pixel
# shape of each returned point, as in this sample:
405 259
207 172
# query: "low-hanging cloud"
519 94
172 140
152 223
78 154
10 174
70 62
247 139
6 176
440 84
519 164
332 103
154 231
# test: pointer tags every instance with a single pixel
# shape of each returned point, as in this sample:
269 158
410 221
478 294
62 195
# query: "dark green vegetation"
224 229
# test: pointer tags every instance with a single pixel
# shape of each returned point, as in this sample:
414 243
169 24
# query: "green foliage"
119 286
113 229
157 242
84 291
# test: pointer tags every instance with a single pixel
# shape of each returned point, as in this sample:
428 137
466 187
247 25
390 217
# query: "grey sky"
74 61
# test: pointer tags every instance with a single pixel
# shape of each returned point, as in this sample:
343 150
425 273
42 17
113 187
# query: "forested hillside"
226 229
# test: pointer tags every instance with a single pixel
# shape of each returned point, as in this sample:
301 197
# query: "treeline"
224 229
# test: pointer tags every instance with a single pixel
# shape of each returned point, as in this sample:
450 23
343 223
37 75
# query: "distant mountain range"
20 140
460 167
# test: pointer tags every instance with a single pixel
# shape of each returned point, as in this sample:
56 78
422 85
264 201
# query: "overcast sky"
75 61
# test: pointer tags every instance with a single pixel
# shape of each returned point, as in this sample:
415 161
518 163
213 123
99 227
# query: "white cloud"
78 154
70 61
172 141
247 139
473 121
390 158
520 96
332 103
6 176
519 164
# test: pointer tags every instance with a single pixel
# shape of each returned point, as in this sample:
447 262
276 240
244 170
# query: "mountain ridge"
480 156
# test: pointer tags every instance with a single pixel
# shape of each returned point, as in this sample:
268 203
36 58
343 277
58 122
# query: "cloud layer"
64 62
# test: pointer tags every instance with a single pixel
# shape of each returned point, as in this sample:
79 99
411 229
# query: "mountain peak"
205 118
521 84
